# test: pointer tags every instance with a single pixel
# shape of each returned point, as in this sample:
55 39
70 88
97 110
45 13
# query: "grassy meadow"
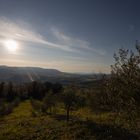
83 124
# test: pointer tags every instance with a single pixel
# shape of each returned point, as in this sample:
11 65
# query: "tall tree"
122 90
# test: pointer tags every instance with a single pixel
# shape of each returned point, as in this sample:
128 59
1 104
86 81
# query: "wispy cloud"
75 43
14 30
9 29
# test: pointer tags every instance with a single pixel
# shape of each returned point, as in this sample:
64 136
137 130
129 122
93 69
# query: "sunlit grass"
21 124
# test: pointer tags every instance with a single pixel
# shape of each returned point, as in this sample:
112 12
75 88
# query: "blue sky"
68 35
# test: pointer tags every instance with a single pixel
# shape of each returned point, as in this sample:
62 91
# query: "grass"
22 111
20 124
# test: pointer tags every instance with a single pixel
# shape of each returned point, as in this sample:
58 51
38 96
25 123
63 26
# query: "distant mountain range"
28 74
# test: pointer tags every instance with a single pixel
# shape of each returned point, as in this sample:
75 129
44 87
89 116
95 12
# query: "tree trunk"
68 113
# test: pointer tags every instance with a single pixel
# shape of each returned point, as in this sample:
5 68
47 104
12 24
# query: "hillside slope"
21 124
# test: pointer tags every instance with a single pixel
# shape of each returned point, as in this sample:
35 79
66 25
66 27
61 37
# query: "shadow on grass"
110 132
60 117
99 131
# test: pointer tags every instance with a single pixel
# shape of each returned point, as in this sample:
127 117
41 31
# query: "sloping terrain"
29 74
21 124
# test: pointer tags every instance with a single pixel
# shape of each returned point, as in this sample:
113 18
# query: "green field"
21 124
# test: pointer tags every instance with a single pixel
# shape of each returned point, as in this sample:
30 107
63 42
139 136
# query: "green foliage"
7 107
49 102
71 100
125 81
47 105
121 92
36 90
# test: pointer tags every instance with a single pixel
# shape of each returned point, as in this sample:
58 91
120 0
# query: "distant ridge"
29 74
25 74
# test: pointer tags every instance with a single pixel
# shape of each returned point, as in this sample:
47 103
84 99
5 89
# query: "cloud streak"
75 43
10 29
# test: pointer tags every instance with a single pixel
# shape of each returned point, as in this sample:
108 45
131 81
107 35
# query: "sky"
68 35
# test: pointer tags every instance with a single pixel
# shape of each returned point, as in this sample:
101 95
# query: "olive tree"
122 89
71 99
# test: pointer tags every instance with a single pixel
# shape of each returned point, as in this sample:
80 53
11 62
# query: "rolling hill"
25 74
28 74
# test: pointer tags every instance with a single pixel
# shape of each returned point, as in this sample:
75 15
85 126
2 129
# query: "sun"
11 45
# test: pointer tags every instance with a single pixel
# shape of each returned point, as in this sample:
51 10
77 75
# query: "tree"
48 86
11 95
36 90
2 89
70 99
122 90
49 102
57 88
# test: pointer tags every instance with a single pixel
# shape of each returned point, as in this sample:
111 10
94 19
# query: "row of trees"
36 90
44 96
69 98
8 98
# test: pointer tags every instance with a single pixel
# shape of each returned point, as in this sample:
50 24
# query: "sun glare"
11 45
